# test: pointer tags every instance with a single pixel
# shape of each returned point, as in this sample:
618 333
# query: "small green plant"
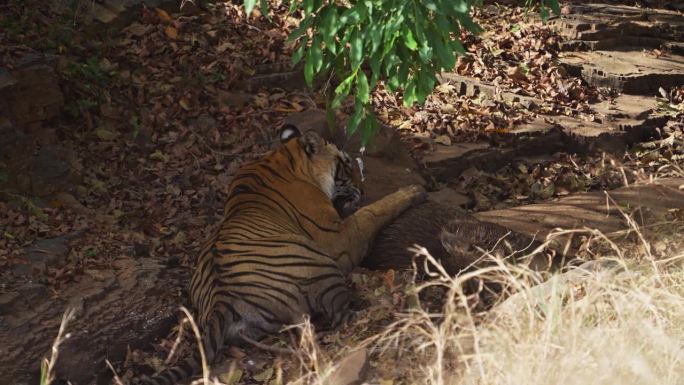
135 126
90 81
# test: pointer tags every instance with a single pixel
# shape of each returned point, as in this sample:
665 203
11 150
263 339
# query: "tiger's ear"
311 142
289 131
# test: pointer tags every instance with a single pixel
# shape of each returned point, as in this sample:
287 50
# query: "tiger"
282 251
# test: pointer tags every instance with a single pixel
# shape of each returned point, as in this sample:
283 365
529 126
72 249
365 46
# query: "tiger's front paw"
416 193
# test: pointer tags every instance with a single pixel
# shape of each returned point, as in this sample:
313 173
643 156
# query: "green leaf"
419 20
375 35
544 13
431 5
457 47
316 54
404 72
444 53
356 52
410 94
425 52
249 6
362 10
293 6
264 8
370 127
362 90
343 90
309 68
447 25
375 62
409 40
393 82
299 53
460 6
308 6
555 7
328 28
469 24
350 16
355 118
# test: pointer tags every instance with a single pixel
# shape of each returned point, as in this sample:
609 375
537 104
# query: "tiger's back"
263 268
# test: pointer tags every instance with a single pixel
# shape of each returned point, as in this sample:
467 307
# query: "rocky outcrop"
630 49
127 306
31 158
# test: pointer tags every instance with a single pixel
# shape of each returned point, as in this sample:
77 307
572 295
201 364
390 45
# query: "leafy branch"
404 43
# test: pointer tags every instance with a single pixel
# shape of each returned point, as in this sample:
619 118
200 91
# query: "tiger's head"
338 174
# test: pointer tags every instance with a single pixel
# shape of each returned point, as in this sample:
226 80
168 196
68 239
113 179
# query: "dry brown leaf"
163 15
389 278
443 140
171 32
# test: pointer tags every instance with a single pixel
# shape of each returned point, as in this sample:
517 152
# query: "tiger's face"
338 174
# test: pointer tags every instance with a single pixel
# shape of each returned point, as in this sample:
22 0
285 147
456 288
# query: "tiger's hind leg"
357 231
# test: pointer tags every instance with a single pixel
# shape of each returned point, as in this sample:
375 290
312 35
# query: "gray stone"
6 79
32 94
634 107
234 99
351 370
466 86
618 36
631 72
42 254
8 301
647 203
449 197
600 22
613 130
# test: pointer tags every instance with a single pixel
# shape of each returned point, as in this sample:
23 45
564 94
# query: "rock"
449 197
557 286
126 307
7 302
30 93
446 163
383 177
604 26
42 254
351 370
621 127
47 172
647 203
291 80
30 96
635 107
619 37
467 86
117 13
234 99
628 71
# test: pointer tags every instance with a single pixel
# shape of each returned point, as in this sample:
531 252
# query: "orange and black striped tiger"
282 250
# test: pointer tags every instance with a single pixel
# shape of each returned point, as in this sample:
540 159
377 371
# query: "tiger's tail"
212 341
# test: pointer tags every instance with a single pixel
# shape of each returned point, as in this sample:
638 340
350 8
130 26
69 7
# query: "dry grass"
615 320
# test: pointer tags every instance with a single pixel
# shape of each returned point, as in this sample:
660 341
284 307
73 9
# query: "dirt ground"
118 188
